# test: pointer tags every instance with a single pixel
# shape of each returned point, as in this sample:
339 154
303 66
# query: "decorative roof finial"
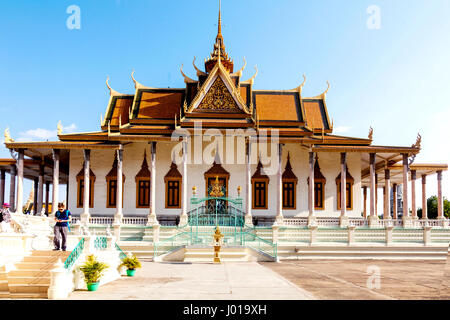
186 78
199 72
253 77
8 138
59 128
112 92
418 141
371 133
300 87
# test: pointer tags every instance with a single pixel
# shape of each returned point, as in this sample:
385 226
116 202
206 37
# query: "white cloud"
341 129
43 134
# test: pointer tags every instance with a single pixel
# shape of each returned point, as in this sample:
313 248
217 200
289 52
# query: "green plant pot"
92 286
131 272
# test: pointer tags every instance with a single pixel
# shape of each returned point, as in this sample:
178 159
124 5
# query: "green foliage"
131 262
446 208
92 269
432 208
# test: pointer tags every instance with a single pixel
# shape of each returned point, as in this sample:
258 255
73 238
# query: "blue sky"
395 79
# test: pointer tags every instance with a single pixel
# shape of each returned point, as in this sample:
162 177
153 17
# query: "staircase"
205 254
31 277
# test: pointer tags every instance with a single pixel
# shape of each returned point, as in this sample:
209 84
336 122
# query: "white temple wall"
102 160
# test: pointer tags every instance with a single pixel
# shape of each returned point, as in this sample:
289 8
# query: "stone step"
28 295
47 253
34 265
3 285
25 288
29 280
28 273
43 259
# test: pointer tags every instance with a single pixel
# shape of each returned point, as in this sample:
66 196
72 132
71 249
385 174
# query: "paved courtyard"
288 280
369 279
179 281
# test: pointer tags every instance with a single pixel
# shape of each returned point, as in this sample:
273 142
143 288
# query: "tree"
432 208
446 208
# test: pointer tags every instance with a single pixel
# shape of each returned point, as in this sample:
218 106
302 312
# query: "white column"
2 186
424 197
40 190
413 194
387 193
365 202
343 218
55 191
85 215
119 194
406 216
279 217
395 201
440 200
184 183
19 200
152 219
373 219
12 187
311 217
248 190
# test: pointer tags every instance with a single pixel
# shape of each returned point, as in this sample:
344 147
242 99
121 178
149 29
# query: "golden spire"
219 28
219 52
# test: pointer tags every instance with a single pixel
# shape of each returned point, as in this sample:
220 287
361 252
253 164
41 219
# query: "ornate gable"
218 98
218 94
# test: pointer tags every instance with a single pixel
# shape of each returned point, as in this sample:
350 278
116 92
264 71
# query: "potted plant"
93 270
132 263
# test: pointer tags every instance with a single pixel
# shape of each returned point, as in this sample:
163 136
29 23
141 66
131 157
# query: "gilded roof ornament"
370 133
323 96
239 73
300 87
138 85
8 138
418 141
252 79
59 128
112 92
186 78
199 72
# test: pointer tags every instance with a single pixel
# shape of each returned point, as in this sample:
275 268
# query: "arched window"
143 185
111 186
289 180
260 185
80 188
319 186
173 180
349 190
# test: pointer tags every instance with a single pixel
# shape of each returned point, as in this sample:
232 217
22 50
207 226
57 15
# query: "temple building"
157 149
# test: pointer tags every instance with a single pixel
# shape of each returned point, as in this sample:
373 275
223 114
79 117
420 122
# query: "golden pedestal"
217 239
216 254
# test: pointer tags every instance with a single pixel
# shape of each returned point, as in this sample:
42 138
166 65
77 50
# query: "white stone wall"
102 160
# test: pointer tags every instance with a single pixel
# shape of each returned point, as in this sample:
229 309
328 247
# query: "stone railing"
295 221
101 220
140 221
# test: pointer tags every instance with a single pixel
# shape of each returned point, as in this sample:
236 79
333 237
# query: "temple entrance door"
216 206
